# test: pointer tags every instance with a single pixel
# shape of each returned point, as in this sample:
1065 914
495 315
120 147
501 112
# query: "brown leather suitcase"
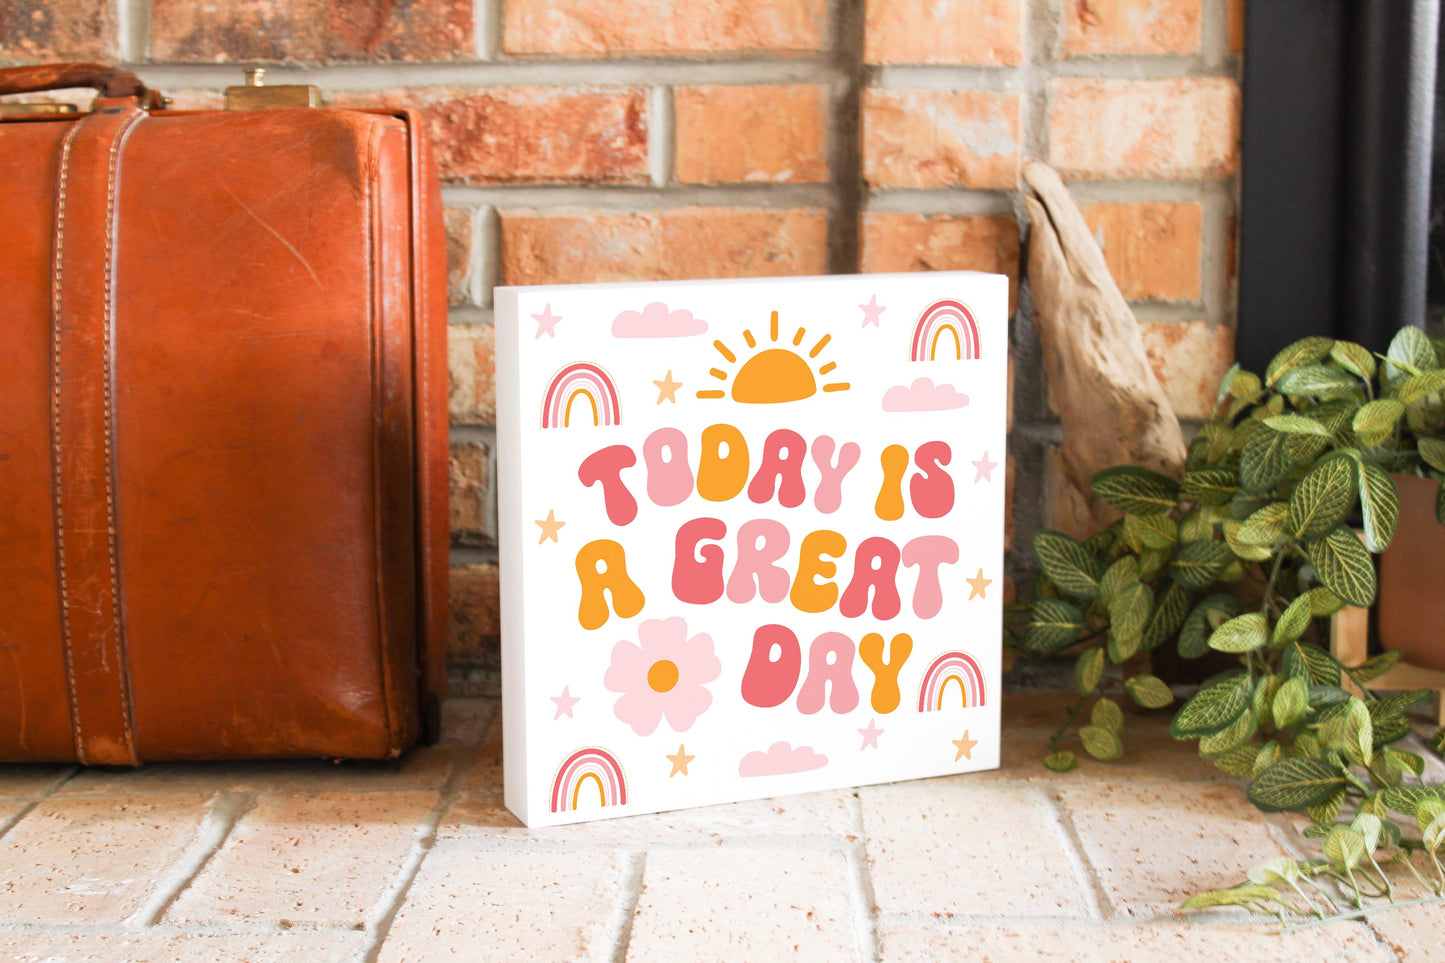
223 430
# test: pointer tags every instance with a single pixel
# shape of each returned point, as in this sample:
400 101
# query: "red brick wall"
601 140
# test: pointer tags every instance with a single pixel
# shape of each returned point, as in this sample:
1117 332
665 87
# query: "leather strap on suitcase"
83 428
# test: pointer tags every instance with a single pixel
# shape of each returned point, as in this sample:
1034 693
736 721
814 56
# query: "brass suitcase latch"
255 95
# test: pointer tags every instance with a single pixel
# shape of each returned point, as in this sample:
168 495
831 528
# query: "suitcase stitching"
122 665
58 257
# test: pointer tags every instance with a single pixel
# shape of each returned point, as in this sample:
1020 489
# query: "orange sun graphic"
773 375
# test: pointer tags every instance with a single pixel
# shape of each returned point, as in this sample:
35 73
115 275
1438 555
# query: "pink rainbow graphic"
949 667
589 765
587 385
946 317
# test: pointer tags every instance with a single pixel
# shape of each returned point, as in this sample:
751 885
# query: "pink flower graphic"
663 676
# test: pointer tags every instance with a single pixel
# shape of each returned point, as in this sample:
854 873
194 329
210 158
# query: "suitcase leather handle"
107 81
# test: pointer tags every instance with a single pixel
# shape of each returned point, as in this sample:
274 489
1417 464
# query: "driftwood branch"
1112 407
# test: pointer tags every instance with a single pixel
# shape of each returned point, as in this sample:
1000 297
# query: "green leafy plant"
1246 554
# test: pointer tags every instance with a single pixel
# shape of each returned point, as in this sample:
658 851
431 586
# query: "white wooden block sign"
751 537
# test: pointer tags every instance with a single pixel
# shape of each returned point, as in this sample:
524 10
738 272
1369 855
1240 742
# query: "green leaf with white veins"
1295 783
1344 566
1244 550
1335 415
1124 571
1199 563
1269 457
1249 896
1420 386
1148 691
1209 486
1135 490
1326 696
1170 609
1392 730
1380 502
1369 826
1397 704
1302 352
1292 623
1265 526
1062 761
1354 358
1198 524
1151 531
1280 870
1326 811
1212 709
1129 613
1427 810
1219 743
1376 807
1406 799
1411 349
1088 670
1400 762
1055 625
1297 425
1359 737
1069 565
1323 602
1241 384
1376 421
1238 761
1434 834
1264 691
1433 451
1201 623
1291 703
1107 714
1103 744
1243 633
1323 498
1344 848
1269 754
1312 662
1318 381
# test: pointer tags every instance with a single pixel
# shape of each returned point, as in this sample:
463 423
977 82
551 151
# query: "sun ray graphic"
773 375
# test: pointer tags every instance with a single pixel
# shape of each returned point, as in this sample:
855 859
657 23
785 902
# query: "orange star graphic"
667 389
965 747
978 583
679 762
549 526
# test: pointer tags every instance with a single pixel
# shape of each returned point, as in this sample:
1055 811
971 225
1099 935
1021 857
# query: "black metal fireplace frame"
1339 104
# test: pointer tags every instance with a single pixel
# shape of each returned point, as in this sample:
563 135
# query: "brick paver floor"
420 861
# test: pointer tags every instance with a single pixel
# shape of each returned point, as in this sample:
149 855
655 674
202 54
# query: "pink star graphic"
546 321
871 311
565 702
870 735
985 469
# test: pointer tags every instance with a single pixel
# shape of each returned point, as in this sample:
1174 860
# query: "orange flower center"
662 676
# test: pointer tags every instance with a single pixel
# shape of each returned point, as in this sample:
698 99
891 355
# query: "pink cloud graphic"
923 395
781 758
657 321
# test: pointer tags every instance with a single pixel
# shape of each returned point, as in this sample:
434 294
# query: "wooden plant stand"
1349 643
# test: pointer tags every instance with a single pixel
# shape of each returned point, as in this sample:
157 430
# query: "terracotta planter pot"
1410 607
